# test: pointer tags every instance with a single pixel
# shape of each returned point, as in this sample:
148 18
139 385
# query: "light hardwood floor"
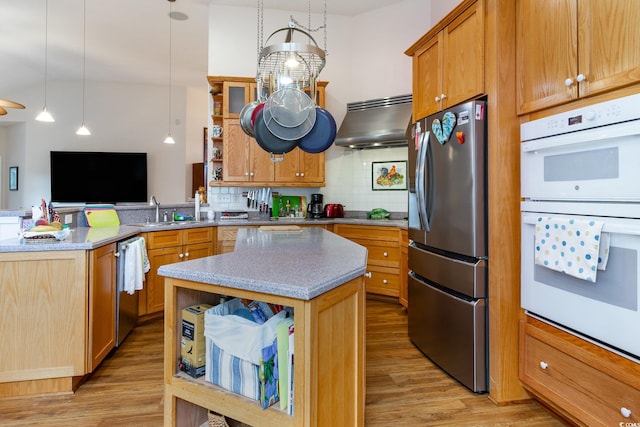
403 387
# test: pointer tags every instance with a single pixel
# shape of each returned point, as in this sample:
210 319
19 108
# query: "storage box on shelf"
383 261
251 165
167 247
583 382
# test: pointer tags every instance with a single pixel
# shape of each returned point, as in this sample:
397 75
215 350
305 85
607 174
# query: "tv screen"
98 177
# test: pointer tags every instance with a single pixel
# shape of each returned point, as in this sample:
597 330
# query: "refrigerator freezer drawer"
450 331
467 278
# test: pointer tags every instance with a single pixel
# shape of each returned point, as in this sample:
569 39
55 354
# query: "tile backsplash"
348 177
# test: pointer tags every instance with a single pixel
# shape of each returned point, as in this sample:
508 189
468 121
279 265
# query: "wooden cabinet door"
235 152
608 44
463 57
301 167
155 284
427 78
102 304
196 250
546 53
261 167
236 95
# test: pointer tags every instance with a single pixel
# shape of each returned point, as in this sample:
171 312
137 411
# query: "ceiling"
126 40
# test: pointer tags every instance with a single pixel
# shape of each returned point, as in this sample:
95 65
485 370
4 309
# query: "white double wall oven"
577 168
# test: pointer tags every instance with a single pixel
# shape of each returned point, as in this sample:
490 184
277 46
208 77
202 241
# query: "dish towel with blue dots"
572 246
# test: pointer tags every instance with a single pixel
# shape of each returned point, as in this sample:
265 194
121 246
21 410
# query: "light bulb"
82 130
45 116
169 140
292 62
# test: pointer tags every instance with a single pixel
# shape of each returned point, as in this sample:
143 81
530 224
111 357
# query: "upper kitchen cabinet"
572 49
237 159
448 61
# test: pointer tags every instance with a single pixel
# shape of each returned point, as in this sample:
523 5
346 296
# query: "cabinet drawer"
586 394
385 254
368 232
383 280
164 239
197 235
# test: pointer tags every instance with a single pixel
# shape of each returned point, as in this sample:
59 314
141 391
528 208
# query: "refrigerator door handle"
420 181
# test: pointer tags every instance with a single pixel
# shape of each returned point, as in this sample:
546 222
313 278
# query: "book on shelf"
282 336
290 355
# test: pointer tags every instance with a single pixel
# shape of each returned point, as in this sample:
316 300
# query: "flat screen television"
98 177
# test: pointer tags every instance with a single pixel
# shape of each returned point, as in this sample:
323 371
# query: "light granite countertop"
85 238
299 264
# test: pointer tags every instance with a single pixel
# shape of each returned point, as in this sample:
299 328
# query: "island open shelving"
324 285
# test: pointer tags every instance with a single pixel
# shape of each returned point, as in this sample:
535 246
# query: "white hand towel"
574 247
134 266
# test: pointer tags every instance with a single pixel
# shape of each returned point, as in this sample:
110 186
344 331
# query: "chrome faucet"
155 202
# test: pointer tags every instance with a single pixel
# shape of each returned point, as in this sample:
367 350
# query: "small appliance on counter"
314 209
333 210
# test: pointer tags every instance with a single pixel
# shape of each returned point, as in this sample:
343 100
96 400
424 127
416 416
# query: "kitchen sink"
163 224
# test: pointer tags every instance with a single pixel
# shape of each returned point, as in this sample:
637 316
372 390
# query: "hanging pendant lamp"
169 139
83 131
44 115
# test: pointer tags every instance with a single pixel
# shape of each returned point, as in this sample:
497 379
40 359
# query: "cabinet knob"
246 174
186 254
301 173
443 96
297 173
384 281
367 275
385 254
437 99
543 365
251 174
625 412
580 78
568 82
181 256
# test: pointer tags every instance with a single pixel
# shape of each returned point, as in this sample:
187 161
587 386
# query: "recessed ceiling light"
178 16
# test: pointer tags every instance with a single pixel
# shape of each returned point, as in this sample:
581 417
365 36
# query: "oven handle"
608 227
583 137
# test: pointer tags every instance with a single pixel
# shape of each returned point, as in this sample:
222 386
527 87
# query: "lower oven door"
606 311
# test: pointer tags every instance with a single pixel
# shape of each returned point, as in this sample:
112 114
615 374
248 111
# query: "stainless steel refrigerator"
448 259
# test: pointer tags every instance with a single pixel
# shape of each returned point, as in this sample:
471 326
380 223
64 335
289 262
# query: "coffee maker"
314 209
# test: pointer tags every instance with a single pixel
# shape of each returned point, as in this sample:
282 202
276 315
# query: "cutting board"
101 217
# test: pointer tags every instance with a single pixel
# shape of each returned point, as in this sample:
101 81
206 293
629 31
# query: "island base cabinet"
329 369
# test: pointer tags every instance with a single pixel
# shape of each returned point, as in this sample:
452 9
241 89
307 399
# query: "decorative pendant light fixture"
290 62
169 138
83 131
44 115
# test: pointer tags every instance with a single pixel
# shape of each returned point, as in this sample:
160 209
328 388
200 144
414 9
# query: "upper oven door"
599 164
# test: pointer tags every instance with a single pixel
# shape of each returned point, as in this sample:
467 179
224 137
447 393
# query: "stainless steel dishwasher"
126 304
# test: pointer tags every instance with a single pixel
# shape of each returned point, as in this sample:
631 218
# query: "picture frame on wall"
387 175
13 178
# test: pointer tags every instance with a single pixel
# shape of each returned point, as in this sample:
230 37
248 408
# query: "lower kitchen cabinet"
168 247
404 268
102 304
44 322
579 380
383 274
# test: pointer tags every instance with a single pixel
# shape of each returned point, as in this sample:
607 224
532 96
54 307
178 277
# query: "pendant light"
44 115
82 130
169 138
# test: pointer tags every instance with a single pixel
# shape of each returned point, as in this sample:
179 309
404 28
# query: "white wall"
121 117
365 60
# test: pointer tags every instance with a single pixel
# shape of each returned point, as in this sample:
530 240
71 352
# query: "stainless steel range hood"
376 123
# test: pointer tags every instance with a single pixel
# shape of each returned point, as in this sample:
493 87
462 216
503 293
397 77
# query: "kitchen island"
319 275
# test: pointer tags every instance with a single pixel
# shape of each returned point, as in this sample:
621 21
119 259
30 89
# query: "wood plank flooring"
403 387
